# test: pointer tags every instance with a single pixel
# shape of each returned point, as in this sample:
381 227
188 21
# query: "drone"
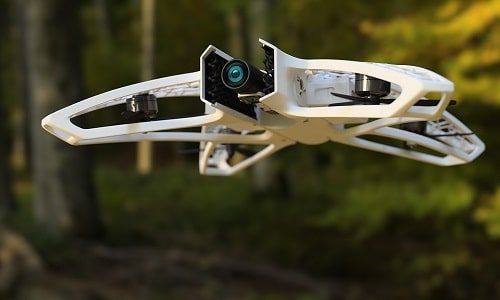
251 113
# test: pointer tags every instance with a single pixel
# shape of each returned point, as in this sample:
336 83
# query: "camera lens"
235 74
242 77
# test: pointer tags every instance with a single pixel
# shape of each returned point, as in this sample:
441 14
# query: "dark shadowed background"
128 221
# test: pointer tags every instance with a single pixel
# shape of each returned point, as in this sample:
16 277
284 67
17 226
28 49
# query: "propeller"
373 99
420 127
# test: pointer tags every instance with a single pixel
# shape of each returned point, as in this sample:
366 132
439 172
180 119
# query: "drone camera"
241 77
367 86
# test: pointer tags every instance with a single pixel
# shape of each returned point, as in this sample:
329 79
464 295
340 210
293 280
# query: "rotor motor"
141 107
368 86
144 103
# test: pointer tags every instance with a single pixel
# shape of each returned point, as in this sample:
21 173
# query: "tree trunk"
244 32
65 201
6 197
235 23
102 20
145 148
22 136
7 203
262 176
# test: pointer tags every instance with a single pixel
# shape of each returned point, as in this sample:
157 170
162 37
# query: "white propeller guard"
414 83
449 150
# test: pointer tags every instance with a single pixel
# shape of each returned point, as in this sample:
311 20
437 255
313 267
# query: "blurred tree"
22 139
65 203
262 173
102 20
18 261
247 22
145 148
7 203
462 41
6 196
237 31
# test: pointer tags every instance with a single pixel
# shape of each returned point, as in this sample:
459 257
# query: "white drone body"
291 101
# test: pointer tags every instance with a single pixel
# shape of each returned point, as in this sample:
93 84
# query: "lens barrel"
241 77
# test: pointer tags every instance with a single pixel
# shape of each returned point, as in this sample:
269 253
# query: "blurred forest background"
323 222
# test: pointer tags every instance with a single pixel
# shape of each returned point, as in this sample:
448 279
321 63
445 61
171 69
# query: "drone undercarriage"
366 105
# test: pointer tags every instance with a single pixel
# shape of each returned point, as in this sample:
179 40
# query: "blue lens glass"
235 74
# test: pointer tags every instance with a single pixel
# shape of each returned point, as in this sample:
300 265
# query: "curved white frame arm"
415 83
447 151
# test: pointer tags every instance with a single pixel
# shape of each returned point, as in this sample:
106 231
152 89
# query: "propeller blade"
352 98
362 100
347 103
451 134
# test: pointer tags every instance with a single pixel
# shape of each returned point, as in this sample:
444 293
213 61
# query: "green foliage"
365 208
409 229
180 202
459 38
489 214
